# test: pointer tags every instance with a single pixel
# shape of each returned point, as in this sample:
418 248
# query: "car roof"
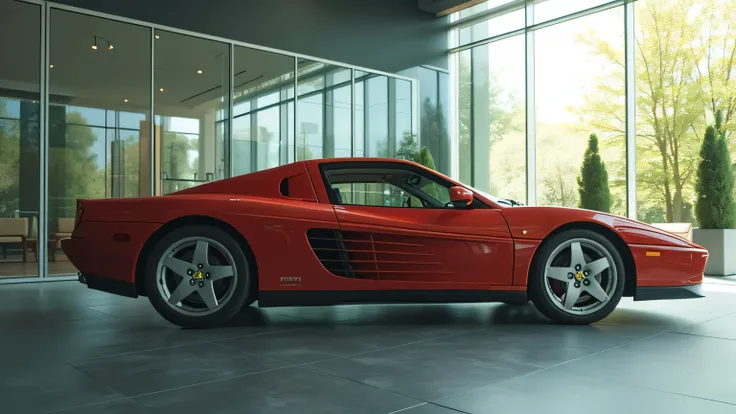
358 160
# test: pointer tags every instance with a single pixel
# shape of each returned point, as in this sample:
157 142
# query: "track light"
94 43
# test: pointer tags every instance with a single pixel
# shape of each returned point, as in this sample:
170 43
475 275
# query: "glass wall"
570 107
192 110
136 111
532 92
491 115
324 107
263 110
678 92
20 138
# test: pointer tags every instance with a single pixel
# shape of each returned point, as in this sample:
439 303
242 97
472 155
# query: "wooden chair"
64 228
14 230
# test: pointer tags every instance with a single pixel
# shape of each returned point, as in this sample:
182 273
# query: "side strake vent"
372 256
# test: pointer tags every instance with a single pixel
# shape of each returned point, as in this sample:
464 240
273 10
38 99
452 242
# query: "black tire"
243 293
537 288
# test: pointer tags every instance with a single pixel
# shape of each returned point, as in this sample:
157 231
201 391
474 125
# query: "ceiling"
106 78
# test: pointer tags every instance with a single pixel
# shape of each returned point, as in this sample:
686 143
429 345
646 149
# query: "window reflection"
576 57
192 110
20 134
263 104
325 105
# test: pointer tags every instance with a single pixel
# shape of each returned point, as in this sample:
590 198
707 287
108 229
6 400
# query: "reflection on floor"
13 265
82 351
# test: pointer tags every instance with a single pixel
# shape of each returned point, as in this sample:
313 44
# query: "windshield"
498 200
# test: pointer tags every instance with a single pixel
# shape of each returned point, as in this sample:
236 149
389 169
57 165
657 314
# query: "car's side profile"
366 230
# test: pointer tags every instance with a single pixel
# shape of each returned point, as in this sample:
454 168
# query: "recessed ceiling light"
161 89
199 71
125 100
158 37
51 66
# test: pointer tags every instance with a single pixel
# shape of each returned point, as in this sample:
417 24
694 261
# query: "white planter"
721 246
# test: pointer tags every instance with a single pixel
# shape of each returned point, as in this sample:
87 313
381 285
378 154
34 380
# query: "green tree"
593 179
685 60
409 150
715 206
9 162
74 168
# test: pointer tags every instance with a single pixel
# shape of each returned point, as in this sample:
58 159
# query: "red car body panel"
393 249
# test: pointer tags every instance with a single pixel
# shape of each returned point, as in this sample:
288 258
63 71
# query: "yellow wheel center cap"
199 276
579 276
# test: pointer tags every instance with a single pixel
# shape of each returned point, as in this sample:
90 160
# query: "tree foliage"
685 59
715 207
593 180
409 150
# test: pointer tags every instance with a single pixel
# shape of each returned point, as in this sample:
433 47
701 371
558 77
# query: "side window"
386 187
374 194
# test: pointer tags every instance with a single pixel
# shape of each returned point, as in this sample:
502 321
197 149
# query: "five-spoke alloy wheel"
198 277
577 277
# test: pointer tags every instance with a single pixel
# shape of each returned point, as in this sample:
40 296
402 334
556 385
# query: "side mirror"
461 197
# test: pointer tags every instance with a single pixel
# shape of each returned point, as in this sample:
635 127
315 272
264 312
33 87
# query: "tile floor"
67 349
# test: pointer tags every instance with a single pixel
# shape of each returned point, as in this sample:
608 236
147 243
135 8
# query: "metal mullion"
531 150
573 16
352 113
296 108
263 108
487 15
472 120
455 117
43 161
630 79
228 138
152 116
488 40
530 26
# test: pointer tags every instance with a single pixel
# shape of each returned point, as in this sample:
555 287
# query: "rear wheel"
198 277
577 277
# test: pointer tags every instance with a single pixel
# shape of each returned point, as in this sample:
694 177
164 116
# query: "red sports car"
368 230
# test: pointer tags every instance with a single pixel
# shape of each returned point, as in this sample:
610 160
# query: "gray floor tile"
92 338
320 343
697 366
427 371
122 347
125 406
723 327
166 368
284 391
46 387
551 392
428 408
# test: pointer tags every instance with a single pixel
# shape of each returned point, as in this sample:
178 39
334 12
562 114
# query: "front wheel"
198 277
577 277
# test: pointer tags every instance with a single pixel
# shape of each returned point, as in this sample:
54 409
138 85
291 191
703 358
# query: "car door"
389 240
